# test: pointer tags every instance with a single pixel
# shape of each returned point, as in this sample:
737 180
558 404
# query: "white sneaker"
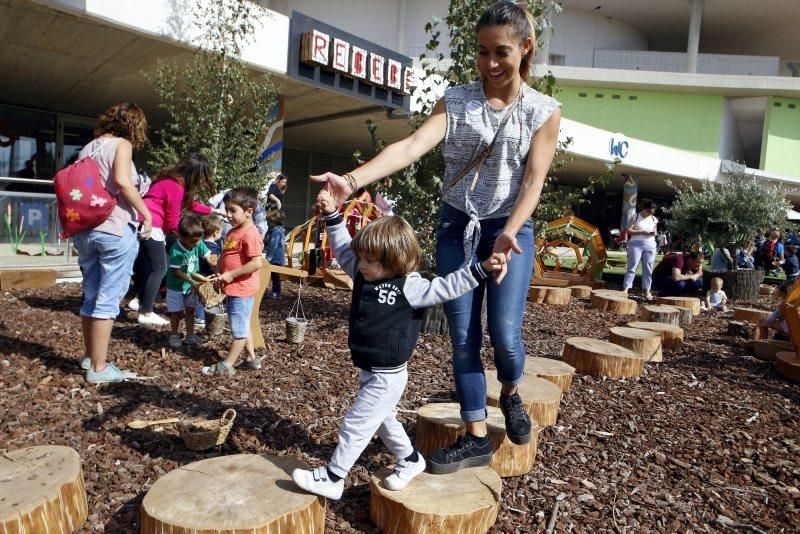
134 304
175 341
404 472
153 319
194 339
318 483
86 363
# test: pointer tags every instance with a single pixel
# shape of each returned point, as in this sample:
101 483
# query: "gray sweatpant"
375 410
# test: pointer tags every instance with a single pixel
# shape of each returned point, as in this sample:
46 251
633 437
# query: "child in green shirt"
183 276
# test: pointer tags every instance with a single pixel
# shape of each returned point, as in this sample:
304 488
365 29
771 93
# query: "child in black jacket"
385 320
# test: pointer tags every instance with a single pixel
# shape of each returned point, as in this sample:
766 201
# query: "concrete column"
543 51
694 35
400 41
630 192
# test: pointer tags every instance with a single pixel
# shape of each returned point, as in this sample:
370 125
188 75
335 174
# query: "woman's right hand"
335 185
146 228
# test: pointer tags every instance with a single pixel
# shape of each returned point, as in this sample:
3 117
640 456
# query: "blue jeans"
239 310
505 307
667 287
106 262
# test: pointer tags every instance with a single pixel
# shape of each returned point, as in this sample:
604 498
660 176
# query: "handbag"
477 163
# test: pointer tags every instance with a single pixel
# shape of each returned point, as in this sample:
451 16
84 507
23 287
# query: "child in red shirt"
239 268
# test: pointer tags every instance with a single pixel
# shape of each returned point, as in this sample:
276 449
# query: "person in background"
679 274
721 261
275 248
642 247
791 265
770 253
212 232
276 192
744 255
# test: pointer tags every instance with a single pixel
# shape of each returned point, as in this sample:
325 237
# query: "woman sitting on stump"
679 274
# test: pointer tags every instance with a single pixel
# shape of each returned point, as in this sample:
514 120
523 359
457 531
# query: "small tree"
417 189
726 213
214 104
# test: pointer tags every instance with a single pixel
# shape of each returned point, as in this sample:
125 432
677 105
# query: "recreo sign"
318 48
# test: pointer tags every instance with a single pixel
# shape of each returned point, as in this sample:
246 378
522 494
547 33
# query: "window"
27 143
557 59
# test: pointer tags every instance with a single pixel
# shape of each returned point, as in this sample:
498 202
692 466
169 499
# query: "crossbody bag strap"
486 152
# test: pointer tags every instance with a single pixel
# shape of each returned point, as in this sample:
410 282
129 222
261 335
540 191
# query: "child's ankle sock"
333 476
413 457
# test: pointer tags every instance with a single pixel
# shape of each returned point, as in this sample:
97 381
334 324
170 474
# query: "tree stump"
684 315
766 289
232 494
549 295
751 315
41 490
466 501
740 329
556 371
767 349
658 313
683 302
604 300
601 358
434 321
439 424
646 343
671 336
741 284
540 397
581 292
788 365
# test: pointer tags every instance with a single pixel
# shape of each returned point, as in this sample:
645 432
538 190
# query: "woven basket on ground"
203 435
209 295
216 319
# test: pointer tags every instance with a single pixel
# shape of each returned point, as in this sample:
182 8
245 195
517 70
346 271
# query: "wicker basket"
296 329
209 295
216 319
204 435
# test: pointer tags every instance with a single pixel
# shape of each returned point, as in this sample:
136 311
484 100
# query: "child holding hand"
385 320
239 268
183 277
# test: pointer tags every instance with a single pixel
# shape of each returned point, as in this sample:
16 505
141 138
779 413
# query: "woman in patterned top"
487 210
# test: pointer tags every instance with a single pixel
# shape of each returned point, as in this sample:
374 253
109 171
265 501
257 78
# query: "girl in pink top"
172 191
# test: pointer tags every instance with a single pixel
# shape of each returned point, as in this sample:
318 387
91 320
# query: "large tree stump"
788 365
606 301
684 315
232 494
671 336
741 284
767 349
556 371
541 397
581 292
439 424
434 321
658 313
751 315
41 490
683 302
646 343
549 295
740 329
466 502
601 358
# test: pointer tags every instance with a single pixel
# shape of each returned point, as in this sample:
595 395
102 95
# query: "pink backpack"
83 202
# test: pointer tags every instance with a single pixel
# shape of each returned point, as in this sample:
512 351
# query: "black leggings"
149 271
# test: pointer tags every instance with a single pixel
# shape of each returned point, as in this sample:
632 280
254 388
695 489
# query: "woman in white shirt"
642 230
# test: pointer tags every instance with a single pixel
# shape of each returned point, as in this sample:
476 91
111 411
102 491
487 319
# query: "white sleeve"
422 293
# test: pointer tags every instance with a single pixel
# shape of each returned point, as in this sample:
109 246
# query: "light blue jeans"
505 306
644 252
106 262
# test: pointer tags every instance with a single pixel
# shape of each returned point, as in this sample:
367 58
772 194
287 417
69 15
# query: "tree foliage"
214 104
417 189
726 213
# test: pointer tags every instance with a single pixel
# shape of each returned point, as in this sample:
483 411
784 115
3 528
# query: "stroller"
619 240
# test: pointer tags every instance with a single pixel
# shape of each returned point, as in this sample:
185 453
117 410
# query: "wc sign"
618 146
35 216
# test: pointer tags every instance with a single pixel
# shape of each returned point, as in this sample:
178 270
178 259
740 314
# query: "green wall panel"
685 121
780 146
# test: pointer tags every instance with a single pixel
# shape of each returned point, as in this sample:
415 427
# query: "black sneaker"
518 424
467 451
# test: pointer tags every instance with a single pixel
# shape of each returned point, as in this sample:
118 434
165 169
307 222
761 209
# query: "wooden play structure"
589 252
788 363
237 493
42 490
356 214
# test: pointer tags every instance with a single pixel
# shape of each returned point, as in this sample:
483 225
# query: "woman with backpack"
770 252
106 252
173 190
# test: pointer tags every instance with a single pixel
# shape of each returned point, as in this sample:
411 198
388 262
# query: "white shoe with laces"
404 472
134 304
153 319
316 481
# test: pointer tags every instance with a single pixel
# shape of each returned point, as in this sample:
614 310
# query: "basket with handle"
296 322
203 435
216 319
209 294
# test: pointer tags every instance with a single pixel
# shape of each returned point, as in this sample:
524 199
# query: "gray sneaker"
86 363
110 374
254 364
